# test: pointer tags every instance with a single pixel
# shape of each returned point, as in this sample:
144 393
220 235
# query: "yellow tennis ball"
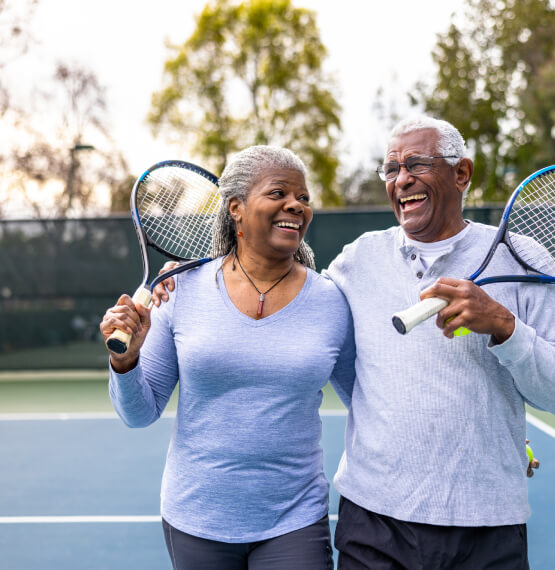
530 454
461 331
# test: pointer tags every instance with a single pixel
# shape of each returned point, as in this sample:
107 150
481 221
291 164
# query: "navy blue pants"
304 549
367 540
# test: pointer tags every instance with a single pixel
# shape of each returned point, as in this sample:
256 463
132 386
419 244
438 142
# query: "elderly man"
434 469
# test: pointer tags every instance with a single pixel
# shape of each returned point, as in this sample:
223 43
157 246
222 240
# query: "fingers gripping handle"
118 341
406 320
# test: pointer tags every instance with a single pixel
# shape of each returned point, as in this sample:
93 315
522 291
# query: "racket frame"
405 321
118 341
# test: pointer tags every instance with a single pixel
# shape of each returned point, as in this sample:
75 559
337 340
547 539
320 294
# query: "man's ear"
463 173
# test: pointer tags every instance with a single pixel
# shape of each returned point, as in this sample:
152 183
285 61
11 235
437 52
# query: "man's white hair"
450 142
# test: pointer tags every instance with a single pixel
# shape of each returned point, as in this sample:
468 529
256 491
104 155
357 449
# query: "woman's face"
276 214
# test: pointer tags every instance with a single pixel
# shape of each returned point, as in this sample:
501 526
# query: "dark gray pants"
367 540
304 549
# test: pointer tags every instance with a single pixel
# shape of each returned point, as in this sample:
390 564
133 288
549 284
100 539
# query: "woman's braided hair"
237 179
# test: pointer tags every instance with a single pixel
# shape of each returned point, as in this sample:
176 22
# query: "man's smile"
408 203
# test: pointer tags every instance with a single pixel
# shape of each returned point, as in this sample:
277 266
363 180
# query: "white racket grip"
143 296
118 341
405 321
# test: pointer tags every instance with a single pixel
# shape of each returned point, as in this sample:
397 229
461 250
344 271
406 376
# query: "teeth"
288 225
414 197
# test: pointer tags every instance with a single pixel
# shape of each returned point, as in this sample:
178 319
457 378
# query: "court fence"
57 277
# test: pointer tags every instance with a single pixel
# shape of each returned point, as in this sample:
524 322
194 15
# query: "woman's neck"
261 268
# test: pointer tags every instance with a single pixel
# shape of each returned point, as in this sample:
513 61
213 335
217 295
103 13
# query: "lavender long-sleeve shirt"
244 461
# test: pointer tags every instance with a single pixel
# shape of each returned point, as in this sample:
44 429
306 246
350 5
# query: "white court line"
80 519
104 415
90 519
540 425
112 415
342 412
58 416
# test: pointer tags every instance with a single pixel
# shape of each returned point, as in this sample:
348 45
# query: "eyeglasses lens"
414 164
419 164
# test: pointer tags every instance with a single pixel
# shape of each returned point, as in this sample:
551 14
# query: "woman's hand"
129 318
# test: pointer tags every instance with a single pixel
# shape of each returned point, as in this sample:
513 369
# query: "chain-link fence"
57 277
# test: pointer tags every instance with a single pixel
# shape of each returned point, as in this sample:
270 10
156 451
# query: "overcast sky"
369 43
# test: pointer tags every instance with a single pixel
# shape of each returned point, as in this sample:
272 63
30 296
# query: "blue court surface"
81 492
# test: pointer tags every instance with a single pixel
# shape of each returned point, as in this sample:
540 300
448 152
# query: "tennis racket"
173 206
527 229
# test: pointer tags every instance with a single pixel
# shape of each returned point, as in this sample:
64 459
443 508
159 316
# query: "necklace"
262 294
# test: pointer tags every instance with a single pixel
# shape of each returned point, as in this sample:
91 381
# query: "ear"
235 206
463 173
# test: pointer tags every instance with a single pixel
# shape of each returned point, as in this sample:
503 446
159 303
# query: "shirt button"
413 256
419 275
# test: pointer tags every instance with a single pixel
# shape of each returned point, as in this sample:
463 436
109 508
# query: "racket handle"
405 321
118 341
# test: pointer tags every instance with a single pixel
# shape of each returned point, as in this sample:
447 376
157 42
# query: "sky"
370 44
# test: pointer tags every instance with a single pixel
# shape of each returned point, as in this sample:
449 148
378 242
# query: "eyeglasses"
416 165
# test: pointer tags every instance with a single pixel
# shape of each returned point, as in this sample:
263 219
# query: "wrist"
123 365
505 329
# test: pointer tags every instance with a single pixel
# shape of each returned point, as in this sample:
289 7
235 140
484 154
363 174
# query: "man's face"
427 206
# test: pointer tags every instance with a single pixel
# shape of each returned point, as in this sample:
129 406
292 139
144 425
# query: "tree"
14 38
251 73
58 173
46 167
495 82
363 187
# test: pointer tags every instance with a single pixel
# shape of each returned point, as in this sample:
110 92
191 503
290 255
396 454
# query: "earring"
238 232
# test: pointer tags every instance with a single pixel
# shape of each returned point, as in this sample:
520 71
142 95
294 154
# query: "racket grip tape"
118 341
405 321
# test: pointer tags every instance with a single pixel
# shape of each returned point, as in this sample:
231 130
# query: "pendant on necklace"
260 305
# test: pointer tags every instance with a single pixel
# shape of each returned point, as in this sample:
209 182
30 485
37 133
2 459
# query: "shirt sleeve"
140 396
529 353
531 361
337 269
343 375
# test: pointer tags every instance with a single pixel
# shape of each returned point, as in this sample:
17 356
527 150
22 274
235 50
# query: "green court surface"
87 391
73 355
74 391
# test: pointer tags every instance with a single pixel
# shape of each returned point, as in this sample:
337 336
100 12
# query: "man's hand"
471 307
160 292
534 464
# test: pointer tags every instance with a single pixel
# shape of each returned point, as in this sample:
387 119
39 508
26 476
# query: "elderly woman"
252 337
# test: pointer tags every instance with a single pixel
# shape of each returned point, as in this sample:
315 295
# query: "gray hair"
450 142
239 176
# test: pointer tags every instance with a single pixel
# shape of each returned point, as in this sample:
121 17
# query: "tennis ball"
530 454
461 331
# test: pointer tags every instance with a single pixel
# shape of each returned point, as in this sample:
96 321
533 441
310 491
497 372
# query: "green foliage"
251 73
496 82
363 187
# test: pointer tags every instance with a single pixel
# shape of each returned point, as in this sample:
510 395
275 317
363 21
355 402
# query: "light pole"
72 168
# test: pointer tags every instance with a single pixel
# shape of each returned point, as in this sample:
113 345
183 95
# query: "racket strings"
533 216
168 231
176 207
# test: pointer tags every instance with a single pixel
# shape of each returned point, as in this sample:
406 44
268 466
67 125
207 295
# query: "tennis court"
80 490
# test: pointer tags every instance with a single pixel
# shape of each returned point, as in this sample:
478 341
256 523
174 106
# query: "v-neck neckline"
283 312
